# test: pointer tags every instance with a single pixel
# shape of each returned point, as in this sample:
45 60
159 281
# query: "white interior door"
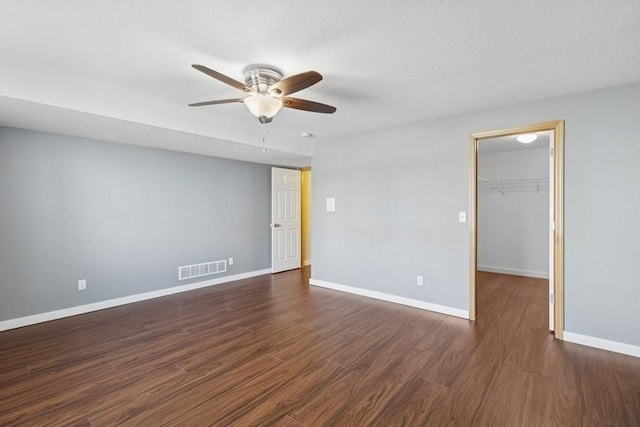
285 219
551 230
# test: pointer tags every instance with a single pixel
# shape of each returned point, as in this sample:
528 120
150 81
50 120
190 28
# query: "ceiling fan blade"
224 79
219 101
296 82
303 104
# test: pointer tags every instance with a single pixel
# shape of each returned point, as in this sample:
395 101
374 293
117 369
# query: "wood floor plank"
290 392
413 405
273 351
597 389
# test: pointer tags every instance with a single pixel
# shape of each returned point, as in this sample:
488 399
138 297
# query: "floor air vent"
204 269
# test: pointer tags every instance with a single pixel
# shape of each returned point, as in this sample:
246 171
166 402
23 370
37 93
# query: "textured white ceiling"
384 63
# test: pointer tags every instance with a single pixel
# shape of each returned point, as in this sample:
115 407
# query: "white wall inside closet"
513 207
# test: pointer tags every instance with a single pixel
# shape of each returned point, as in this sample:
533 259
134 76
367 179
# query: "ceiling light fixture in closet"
527 138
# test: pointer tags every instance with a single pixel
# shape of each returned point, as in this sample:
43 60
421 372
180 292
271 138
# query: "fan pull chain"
264 144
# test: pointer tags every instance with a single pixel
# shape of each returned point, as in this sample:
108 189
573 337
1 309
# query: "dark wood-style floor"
274 351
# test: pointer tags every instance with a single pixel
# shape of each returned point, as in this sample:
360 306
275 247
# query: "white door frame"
557 276
551 231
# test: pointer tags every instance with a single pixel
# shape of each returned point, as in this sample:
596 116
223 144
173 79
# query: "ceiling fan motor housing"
261 77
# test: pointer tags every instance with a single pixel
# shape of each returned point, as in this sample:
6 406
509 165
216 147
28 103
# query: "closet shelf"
504 186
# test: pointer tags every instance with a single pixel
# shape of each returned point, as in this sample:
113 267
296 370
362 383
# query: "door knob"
276 225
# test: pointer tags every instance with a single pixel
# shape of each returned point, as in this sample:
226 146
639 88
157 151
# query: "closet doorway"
517 209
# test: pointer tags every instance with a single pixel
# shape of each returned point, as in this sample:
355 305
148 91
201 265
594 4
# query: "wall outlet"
230 261
82 284
419 280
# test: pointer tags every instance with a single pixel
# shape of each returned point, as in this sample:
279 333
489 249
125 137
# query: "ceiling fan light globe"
263 105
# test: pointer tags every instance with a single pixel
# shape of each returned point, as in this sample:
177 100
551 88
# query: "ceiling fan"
267 91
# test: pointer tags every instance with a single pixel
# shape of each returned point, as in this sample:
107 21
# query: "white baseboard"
514 271
392 298
101 305
306 262
618 347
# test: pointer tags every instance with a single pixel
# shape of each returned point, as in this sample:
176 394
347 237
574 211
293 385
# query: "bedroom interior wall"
122 217
398 192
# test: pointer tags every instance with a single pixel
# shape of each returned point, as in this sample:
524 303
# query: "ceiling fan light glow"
263 105
527 138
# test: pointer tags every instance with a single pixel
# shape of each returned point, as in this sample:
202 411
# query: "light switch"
331 204
462 217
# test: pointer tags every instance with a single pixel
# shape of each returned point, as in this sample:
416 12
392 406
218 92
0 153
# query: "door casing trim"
557 126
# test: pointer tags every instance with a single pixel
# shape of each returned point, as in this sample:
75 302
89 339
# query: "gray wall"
120 216
398 192
513 229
